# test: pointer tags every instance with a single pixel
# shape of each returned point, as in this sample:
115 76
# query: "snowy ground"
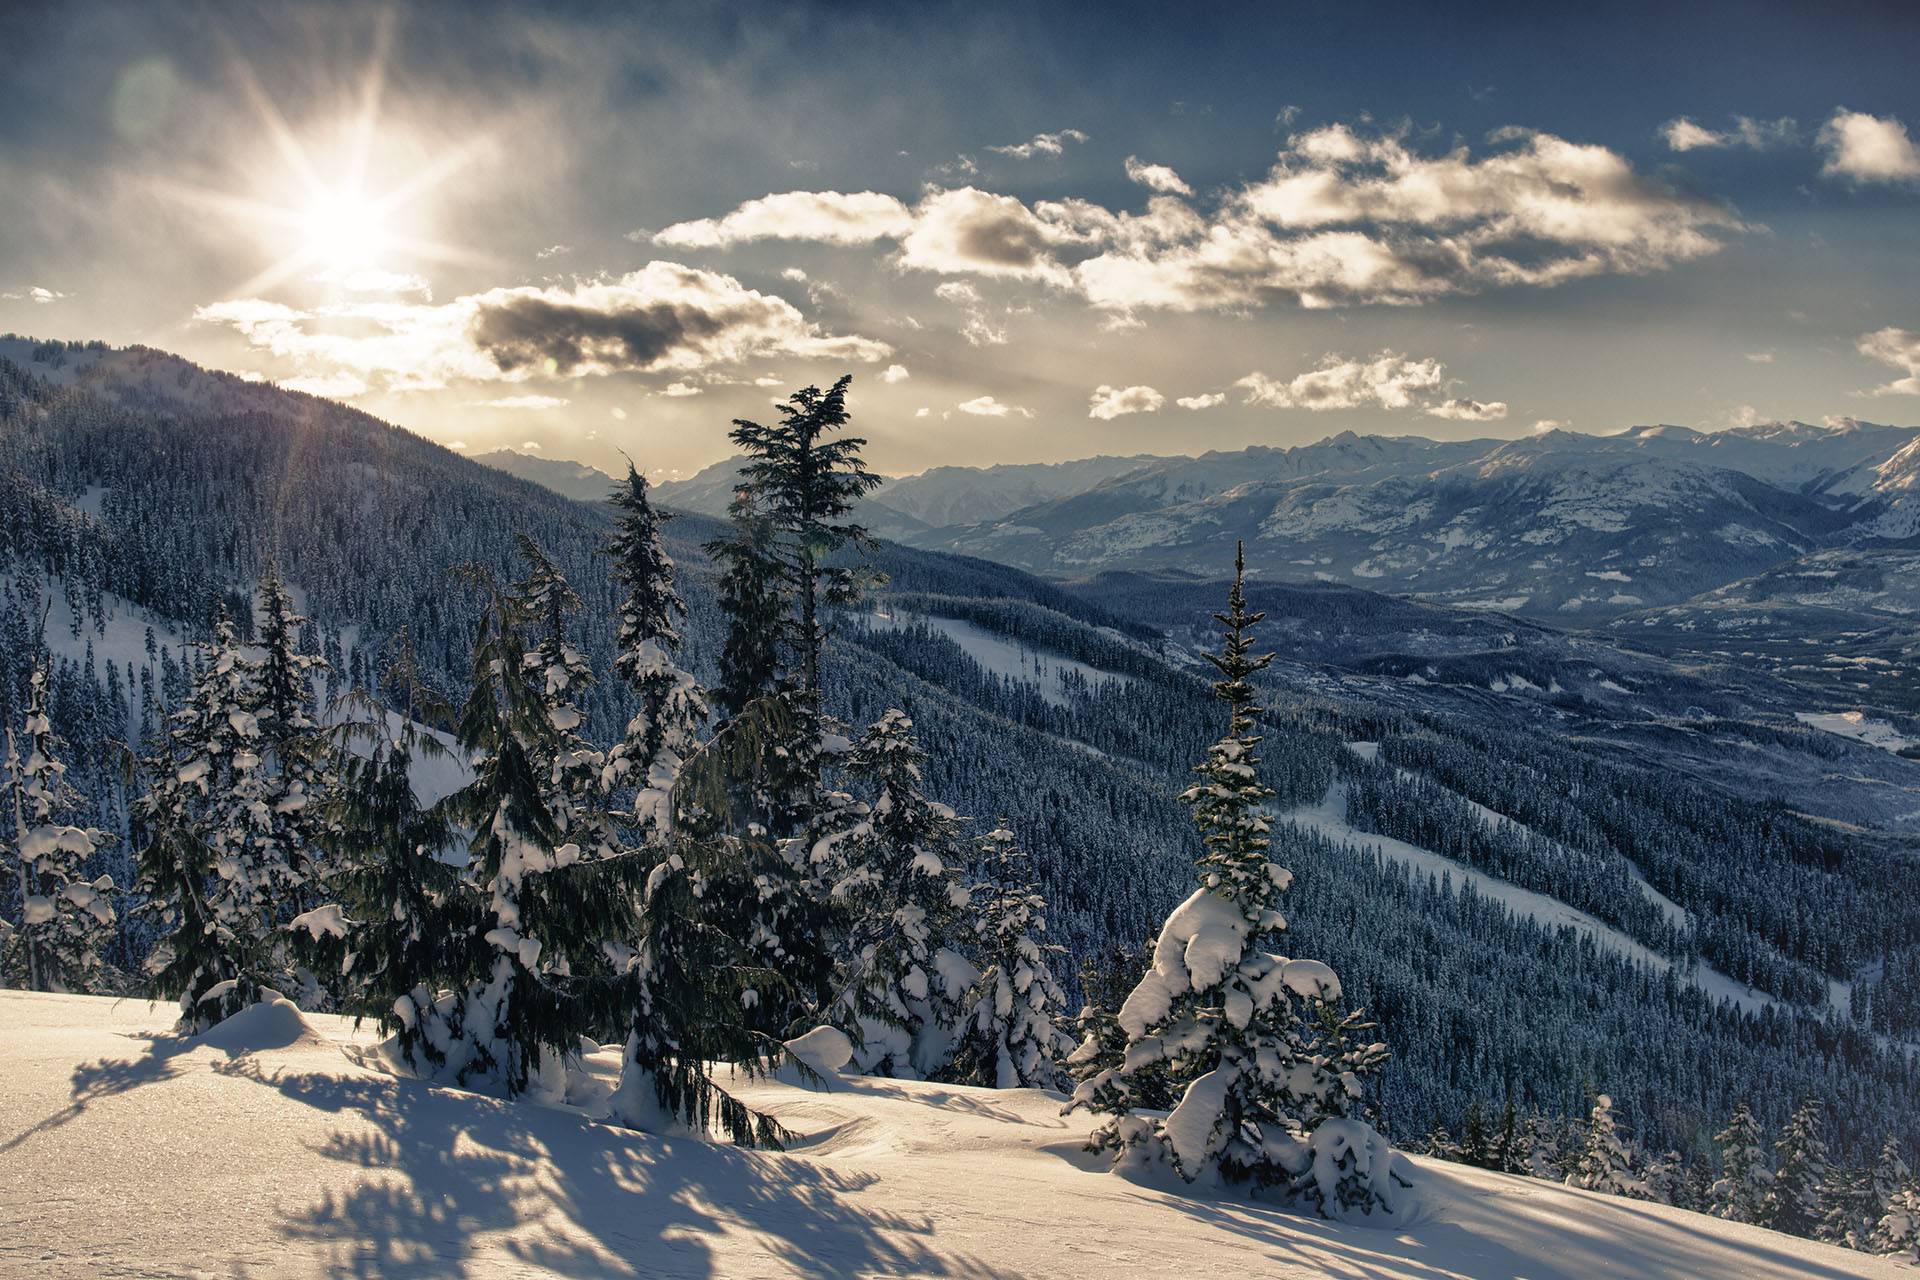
274 1149
1856 725
1006 657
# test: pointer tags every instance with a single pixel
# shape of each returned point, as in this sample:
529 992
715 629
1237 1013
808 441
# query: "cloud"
976 232
339 385
1344 218
553 251
1043 144
1862 148
34 293
1682 134
1108 403
1545 425
522 402
895 373
1156 176
1388 380
835 217
1461 409
1899 348
1207 401
664 317
1759 357
680 390
988 407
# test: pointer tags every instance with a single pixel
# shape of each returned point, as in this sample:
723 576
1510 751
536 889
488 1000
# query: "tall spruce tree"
552 910
404 924
1608 1161
664 729
892 863
1795 1201
66 917
1744 1175
1264 1100
223 870
1015 1034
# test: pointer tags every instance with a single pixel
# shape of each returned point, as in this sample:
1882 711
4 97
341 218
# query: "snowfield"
275 1145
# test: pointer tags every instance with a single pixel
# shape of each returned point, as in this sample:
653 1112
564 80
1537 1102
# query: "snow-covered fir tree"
1889 1175
1795 1201
1898 1230
1015 1034
223 866
66 916
664 730
1266 1096
552 910
403 922
891 863
1107 980
1608 1160
1745 1178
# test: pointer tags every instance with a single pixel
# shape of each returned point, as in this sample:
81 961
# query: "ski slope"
275 1146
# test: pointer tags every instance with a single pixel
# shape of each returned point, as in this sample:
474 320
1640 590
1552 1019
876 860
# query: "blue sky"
1030 232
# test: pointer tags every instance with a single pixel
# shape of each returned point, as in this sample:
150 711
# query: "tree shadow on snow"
109 1076
452 1184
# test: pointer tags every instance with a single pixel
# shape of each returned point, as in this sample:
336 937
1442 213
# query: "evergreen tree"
1796 1200
405 924
222 870
1899 1228
1475 1140
664 729
1264 1099
1014 1037
551 910
1608 1158
1506 1151
66 919
1890 1174
1745 1179
890 863
1106 980
293 777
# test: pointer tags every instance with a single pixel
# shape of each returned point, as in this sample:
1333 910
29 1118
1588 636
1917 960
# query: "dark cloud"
527 331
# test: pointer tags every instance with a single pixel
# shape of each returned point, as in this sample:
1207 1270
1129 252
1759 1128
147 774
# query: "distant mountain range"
1581 528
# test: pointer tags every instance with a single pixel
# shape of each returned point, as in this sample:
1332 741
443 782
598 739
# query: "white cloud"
665 317
1462 409
988 407
971 231
1344 218
1387 380
680 390
921 412
958 292
1682 134
1899 348
523 402
1108 403
34 293
895 373
531 446
1156 176
835 217
1759 357
1864 148
1545 425
458 444
1043 144
795 274
1207 401
553 251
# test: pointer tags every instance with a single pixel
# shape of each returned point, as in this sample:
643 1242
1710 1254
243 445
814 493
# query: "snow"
1008 658
277 1147
1856 725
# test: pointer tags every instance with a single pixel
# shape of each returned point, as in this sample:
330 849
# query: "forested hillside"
129 512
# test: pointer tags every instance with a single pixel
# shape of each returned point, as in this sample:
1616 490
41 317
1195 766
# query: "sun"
321 220
345 231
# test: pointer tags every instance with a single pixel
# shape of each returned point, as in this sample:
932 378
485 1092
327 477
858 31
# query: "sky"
1030 232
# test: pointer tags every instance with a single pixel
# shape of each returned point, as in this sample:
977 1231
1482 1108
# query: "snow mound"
825 1049
264 1027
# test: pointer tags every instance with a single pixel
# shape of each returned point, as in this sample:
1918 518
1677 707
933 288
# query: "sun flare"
345 231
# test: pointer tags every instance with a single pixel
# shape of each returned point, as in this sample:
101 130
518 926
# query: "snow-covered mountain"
1558 525
569 479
